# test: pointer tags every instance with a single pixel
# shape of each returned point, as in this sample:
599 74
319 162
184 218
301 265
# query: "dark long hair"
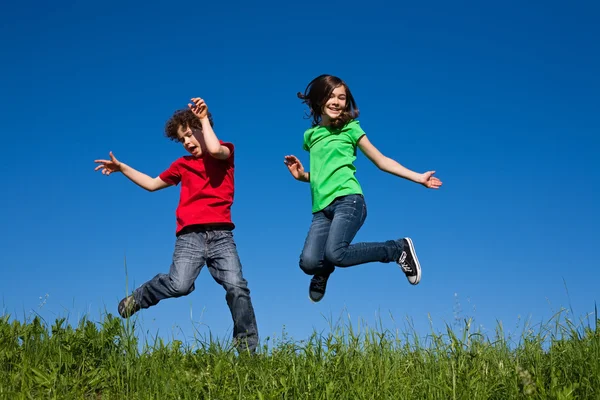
319 91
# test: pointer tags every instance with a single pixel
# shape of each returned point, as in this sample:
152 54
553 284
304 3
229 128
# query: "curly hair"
317 93
184 118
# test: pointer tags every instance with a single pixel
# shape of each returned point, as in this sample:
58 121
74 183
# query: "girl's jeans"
331 232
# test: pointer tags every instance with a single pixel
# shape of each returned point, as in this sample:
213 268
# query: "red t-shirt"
206 189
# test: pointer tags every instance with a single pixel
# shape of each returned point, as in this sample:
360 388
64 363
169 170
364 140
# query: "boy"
204 226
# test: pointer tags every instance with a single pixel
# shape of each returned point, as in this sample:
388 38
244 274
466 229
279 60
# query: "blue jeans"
331 232
216 249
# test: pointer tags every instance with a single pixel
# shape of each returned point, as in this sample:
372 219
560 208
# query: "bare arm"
213 146
142 180
393 167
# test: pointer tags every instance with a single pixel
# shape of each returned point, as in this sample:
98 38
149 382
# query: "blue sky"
501 100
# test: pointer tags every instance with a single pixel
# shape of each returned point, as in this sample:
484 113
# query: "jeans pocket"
223 234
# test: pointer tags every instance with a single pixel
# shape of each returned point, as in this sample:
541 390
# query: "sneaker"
409 263
128 307
243 346
317 287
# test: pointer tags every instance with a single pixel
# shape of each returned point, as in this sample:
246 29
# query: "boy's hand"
108 166
430 181
198 107
296 168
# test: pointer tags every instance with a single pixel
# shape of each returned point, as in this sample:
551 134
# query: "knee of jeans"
310 265
236 290
181 288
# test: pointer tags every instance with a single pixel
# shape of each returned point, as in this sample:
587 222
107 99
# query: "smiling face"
189 140
330 101
335 105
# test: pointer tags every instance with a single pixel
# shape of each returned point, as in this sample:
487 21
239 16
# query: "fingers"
292 163
290 160
105 170
105 165
434 183
431 181
197 105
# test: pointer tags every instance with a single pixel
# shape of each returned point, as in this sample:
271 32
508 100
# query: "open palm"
294 166
108 166
430 181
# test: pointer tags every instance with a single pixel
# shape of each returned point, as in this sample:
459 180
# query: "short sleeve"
354 130
230 146
171 175
306 143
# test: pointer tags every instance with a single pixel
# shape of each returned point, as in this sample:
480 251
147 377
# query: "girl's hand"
198 107
430 181
108 166
296 168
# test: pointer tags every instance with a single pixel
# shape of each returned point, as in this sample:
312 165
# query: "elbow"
153 187
214 149
384 164
220 153
215 152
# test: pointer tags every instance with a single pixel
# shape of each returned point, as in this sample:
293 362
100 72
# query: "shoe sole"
315 301
413 253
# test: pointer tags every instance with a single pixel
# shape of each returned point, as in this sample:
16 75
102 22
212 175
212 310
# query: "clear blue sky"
501 100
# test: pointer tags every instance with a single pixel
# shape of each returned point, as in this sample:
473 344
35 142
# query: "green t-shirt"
332 154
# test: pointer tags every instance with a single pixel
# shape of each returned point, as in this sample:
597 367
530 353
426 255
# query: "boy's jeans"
216 249
331 232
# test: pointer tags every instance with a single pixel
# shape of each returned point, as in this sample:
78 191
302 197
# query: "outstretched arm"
296 168
142 180
393 167
213 146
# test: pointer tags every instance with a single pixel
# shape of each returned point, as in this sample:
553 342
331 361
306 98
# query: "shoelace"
403 264
319 282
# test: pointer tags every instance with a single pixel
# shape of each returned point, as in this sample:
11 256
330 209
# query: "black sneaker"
409 263
317 287
128 307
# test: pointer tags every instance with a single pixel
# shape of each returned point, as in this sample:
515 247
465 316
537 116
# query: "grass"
104 360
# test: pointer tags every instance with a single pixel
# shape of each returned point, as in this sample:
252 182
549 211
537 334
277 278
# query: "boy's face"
189 140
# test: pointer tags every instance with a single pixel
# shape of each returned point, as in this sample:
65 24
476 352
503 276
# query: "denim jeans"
218 251
332 230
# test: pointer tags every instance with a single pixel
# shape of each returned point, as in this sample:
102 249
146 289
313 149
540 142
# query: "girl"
338 205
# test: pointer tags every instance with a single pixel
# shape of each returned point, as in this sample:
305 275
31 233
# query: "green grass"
558 360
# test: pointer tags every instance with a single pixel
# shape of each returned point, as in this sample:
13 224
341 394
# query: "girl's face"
336 104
